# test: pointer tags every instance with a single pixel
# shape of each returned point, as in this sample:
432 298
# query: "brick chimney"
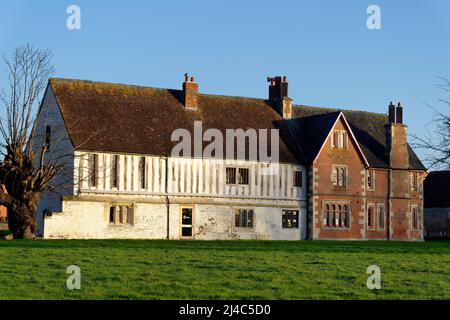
278 96
396 141
190 91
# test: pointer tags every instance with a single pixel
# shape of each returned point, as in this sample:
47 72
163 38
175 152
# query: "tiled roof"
132 119
368 128
140 120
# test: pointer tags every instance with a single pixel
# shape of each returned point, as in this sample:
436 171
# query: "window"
381 216
290 219
370 217
240 176
415 217
339 176
121 215
142 175
344 139
336 215
244 218
93 170
114 171
111 214
336 139
414 181
298 179
243 176
340 139
371 180
48 136
231 175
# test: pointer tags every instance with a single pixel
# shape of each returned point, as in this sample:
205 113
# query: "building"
437 204
340 174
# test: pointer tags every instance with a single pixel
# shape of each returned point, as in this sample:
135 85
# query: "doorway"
187 223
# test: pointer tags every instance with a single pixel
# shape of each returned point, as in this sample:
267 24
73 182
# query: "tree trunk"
22 218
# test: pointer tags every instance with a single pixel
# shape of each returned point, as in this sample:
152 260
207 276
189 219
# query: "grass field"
223 270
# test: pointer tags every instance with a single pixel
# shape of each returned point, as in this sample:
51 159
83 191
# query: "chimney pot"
391 112
399 113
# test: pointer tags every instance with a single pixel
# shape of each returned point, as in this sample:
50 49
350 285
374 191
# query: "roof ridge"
150 87
339 109
109 83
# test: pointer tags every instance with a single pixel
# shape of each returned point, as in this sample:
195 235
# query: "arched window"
326 216
342 177
333 215
339 216
344 140
345 216
336 139
381 217
370 218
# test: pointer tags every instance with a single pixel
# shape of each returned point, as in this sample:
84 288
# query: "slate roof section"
140 120
368 128
437 190
311 132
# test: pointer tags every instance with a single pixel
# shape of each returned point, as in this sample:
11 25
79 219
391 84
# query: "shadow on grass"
242 245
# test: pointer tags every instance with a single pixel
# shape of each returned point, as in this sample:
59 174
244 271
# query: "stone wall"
88 218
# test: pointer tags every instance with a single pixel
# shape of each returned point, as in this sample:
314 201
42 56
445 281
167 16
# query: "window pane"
114 171
186 231
111 214
237 219
345 140
93 161
231 175
243 176
142 172
250 219
120 214
244 218
298 177
381 217
186 217
336 139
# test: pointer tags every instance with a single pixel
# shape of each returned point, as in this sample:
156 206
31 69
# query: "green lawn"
223 270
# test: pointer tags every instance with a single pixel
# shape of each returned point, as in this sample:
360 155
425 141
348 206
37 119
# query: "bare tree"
436 141
27 168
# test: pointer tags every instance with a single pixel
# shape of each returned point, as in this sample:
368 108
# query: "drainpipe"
389 205
166 190
307 193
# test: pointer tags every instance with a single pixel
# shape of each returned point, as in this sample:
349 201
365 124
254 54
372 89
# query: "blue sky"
324 47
